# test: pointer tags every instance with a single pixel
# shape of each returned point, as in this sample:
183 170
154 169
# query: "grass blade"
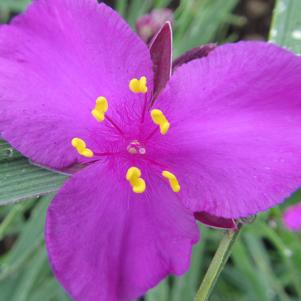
286 25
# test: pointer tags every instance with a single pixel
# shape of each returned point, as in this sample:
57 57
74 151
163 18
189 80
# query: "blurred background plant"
266 261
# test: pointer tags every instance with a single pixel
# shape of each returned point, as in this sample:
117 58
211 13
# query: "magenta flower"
292 218
221 140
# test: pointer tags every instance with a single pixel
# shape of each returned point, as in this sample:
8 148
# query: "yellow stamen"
173 181
159 119
133 175
138 85
80 146
100 108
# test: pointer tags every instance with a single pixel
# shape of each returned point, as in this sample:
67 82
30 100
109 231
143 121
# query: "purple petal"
107 243
215 221
292 218
56 59
161 54
193 54
235 137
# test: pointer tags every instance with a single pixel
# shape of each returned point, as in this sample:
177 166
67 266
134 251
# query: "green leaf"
249 273
286 25
185 287
137 8
30 277
120 6
15 212
20 180
159 293
198 22
30 238
7 153
262 260
49 290
15 5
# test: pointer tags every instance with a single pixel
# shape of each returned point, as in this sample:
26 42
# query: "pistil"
136 148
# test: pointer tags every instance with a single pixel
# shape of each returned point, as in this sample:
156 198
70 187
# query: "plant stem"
217 264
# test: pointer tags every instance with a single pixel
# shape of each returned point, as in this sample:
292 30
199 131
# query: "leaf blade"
286 25
20 180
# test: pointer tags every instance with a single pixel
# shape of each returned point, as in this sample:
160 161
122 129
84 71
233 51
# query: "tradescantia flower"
223 138
292 218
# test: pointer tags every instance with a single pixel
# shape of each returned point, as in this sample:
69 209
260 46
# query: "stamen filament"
144 108
99 111
105 154
109 119
151 134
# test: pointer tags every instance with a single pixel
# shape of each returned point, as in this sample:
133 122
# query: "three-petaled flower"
223 137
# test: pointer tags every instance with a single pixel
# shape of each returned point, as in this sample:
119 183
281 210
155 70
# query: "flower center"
134 175
135 147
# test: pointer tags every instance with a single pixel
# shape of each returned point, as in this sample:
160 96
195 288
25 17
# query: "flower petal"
56 59
235 135
292 218
107 243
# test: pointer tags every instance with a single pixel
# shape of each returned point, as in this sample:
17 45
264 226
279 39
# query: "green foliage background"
266 261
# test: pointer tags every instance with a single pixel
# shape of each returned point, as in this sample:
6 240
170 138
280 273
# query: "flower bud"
148 25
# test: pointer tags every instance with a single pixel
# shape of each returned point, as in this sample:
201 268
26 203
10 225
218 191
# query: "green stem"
217 264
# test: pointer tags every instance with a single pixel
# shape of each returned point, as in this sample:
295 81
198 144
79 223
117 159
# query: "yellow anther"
100 108
133 175
138 85
173 181
159 119
80 146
